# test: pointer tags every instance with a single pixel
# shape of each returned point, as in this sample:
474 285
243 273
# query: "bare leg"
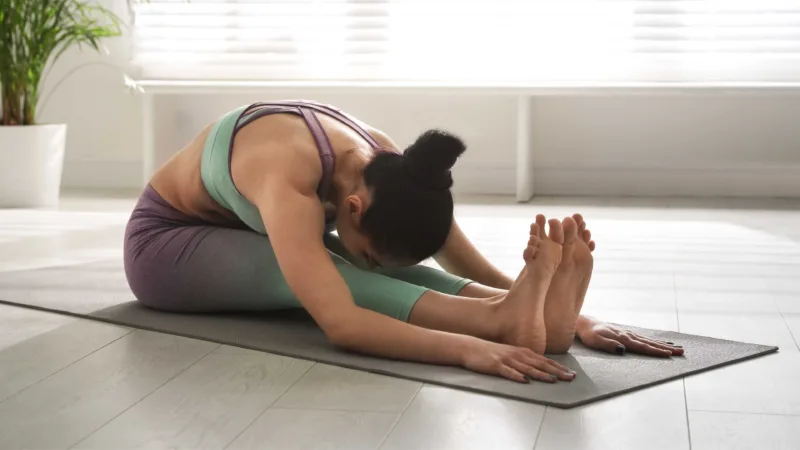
515 317
479 317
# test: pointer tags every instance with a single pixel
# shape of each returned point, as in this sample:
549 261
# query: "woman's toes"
579 220
556 231
570 229
541 222
529 254
533 241
587 236
591 245
535 230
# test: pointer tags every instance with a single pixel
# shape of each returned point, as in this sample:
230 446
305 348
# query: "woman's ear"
355 208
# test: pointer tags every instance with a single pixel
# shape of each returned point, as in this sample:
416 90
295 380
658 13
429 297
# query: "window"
489 41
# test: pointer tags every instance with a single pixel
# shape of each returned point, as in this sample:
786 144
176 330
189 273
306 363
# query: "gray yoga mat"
99 291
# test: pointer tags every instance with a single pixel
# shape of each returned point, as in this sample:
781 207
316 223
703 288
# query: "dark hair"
412 208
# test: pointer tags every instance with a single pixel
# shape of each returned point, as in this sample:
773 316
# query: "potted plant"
34 34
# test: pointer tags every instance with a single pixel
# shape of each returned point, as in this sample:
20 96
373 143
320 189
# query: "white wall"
707 145
682 145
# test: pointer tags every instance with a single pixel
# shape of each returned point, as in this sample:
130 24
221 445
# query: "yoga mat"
99 291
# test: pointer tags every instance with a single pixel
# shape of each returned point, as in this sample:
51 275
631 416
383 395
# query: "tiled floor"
723 268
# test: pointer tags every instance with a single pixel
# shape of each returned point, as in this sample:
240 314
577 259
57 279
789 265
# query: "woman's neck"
348 174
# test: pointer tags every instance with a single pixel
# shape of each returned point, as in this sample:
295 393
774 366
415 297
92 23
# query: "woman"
240 220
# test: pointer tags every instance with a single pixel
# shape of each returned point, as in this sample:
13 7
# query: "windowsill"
516 89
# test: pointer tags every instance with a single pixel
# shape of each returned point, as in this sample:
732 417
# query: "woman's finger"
605 344
676 350
637 346
536 357
658 344
551 367
533 372
651 340
565 375
512 374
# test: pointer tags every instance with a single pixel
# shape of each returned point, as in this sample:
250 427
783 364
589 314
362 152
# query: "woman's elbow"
342 337
342 333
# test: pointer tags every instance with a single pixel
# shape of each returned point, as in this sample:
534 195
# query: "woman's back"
265 145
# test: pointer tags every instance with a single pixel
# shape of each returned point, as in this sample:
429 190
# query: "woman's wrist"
583 325
463 347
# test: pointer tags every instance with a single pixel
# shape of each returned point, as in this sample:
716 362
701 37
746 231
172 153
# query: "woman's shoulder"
279 149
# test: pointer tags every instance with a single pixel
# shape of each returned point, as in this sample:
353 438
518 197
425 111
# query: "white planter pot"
31 163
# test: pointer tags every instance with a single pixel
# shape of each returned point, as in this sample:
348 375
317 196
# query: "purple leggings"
175 262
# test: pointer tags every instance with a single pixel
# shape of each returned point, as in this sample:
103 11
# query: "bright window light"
486 41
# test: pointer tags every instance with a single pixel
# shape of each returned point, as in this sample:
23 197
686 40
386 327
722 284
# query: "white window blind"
478 40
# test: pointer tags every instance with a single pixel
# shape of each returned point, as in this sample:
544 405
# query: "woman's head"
408 210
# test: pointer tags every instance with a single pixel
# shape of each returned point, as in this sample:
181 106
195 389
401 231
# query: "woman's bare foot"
569 285
522 309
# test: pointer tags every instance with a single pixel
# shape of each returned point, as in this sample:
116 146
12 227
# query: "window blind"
461 41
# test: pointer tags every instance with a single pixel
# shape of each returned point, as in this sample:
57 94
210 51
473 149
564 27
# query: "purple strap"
326 155
336 114
306 110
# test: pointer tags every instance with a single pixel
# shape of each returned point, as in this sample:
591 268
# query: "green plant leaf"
35 34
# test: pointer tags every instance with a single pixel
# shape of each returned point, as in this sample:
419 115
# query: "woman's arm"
460 257
294 220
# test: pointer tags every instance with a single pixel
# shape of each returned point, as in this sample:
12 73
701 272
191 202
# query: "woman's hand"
602 336
515 363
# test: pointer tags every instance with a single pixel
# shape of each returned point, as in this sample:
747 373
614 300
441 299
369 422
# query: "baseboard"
747 181
102 174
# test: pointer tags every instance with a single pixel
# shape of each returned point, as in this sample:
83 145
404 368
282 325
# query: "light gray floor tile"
735 431
788 303
788 285
725 302
299 429
36 358
726 267
440 418
18 324
206 406
64 408
653 419
646 319
719 284
331 387
642 299
793 322
767 385
756 328
632 281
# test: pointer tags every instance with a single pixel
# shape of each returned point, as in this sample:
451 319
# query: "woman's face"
355 240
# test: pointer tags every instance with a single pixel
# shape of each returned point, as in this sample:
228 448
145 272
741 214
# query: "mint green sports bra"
215 167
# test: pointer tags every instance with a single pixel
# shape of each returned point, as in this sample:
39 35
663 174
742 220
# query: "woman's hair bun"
429 159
